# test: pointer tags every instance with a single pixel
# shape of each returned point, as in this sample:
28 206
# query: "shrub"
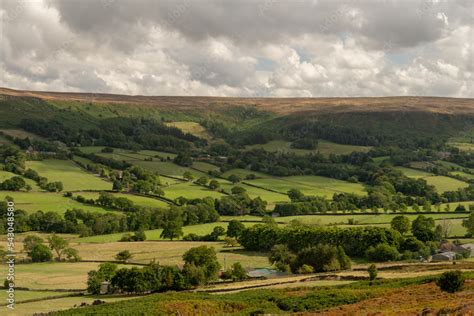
451 281
372 272
305 269
382 252
40 253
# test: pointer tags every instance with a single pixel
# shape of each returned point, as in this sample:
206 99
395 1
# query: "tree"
234 178
214 185
188 176
321 257
202 180
105 272
231 242
58 245
31 241
451 281
123 256
235 228
139 235
201 260
281 257
469 224
172 230
71 255
40 253
237 190
295 195
401 224
382 252
445 228
236 272
372 272
423 228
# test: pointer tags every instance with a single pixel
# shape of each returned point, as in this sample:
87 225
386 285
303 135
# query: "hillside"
277 105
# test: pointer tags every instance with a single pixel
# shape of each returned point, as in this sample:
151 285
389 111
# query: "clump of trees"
201 266
39 252
451 281
318 258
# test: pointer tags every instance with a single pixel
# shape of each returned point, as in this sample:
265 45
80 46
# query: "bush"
372 272
40 253
382 252
305 269
451 281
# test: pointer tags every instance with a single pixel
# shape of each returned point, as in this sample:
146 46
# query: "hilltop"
280 106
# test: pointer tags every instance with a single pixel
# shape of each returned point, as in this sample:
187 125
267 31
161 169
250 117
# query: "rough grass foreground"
301 299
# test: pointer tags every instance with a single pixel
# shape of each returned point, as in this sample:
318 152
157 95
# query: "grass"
193 128
253 192
19 133
465 175
21 295
467 147
309 185
414 173
168 168
289 300
324 147
52 275
441 183
444 184
190 191
47 202
200 229
138 200
169 252
4 175
71 175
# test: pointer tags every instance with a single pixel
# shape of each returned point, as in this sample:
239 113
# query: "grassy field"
309 185
253 192
138 200
57 304
204 166
19 133
4 175
190 191
465 175
441 183
52 275
47 202
467 147
169 252
324 147
193 128
414 173
200 229
70 174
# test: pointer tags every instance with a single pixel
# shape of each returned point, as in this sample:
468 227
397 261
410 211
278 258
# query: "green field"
136 199
47 202
200 229
443 184
190 191
52 275
309 185
414 173
193 128
19 133
467 147
253 192
70 174
4 175
324 147
465 175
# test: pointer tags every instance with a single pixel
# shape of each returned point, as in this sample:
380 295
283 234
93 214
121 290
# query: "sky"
246 48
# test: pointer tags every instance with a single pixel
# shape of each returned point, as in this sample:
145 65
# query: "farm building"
444 256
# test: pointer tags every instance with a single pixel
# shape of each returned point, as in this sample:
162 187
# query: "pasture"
190 191
71 175
199 229
169 252
136 199
4 175
443 184
414 173
324 147
192 128
47 202
309 185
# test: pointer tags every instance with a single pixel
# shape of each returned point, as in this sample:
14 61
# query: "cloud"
239 48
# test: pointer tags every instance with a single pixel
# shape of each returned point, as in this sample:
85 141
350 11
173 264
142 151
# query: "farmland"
71 175
347 183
